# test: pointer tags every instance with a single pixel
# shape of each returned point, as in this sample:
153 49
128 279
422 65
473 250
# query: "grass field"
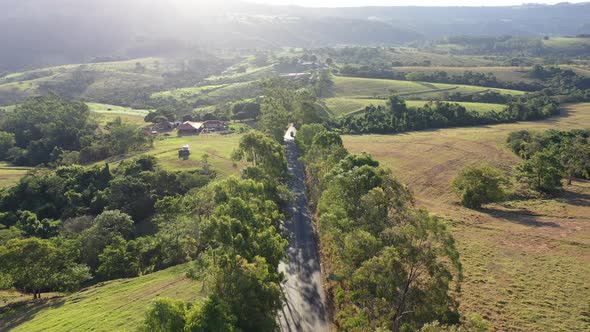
344 106
526 263
218 147
352 87
106 113
566 43
212 94
10 175
117 305
507 74
412 56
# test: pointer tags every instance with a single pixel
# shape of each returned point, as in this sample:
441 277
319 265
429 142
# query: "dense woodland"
50 131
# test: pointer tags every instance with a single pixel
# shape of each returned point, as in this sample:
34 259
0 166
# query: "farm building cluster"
189 127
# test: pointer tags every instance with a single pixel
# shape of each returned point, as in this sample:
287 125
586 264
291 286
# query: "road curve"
304 308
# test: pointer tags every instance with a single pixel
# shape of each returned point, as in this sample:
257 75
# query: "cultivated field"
117 305
526 263
352 87
344 106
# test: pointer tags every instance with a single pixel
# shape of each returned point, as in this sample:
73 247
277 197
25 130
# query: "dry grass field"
526 263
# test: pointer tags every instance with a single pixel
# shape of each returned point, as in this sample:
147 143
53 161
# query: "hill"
117 305
345 106
58 32
525 262
352 87
113 81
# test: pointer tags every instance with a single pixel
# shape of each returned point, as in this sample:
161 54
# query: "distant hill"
37 33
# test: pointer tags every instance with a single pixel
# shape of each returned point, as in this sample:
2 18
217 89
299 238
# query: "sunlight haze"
361 3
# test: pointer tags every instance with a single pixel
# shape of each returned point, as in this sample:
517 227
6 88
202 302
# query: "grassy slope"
117 305
9 174
106 113
565 43
212 94
113 75
509 74
526 263
343 106
218 147
352 87
409 56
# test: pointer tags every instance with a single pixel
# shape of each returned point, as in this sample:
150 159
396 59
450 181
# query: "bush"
477 185
165 315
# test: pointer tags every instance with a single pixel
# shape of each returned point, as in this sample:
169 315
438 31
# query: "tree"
7 141
273 118
36 265
32 226
306 134
42 123
165 315
543 171
212 315
575 156
107 226
263 152
116 261
477 185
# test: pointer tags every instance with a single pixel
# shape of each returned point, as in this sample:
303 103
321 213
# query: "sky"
357 3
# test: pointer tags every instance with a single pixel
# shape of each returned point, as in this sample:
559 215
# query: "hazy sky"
355 3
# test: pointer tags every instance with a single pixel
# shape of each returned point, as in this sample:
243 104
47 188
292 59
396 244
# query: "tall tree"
36 266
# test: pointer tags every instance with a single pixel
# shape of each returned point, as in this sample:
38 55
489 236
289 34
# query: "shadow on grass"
573 196
15 314
520 216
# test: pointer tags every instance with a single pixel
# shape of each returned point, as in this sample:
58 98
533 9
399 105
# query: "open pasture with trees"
347 106
522 259
353 87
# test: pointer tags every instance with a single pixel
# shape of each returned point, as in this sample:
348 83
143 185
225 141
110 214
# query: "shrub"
165 315
477 185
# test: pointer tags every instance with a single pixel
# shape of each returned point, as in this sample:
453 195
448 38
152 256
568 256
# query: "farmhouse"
195 128
190 128
214 125
163 126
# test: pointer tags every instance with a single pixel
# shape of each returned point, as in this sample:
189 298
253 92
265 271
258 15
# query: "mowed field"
345 106
117 305
526 263
218 147
352 87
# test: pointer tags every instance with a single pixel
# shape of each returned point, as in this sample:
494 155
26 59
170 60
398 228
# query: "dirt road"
305 308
